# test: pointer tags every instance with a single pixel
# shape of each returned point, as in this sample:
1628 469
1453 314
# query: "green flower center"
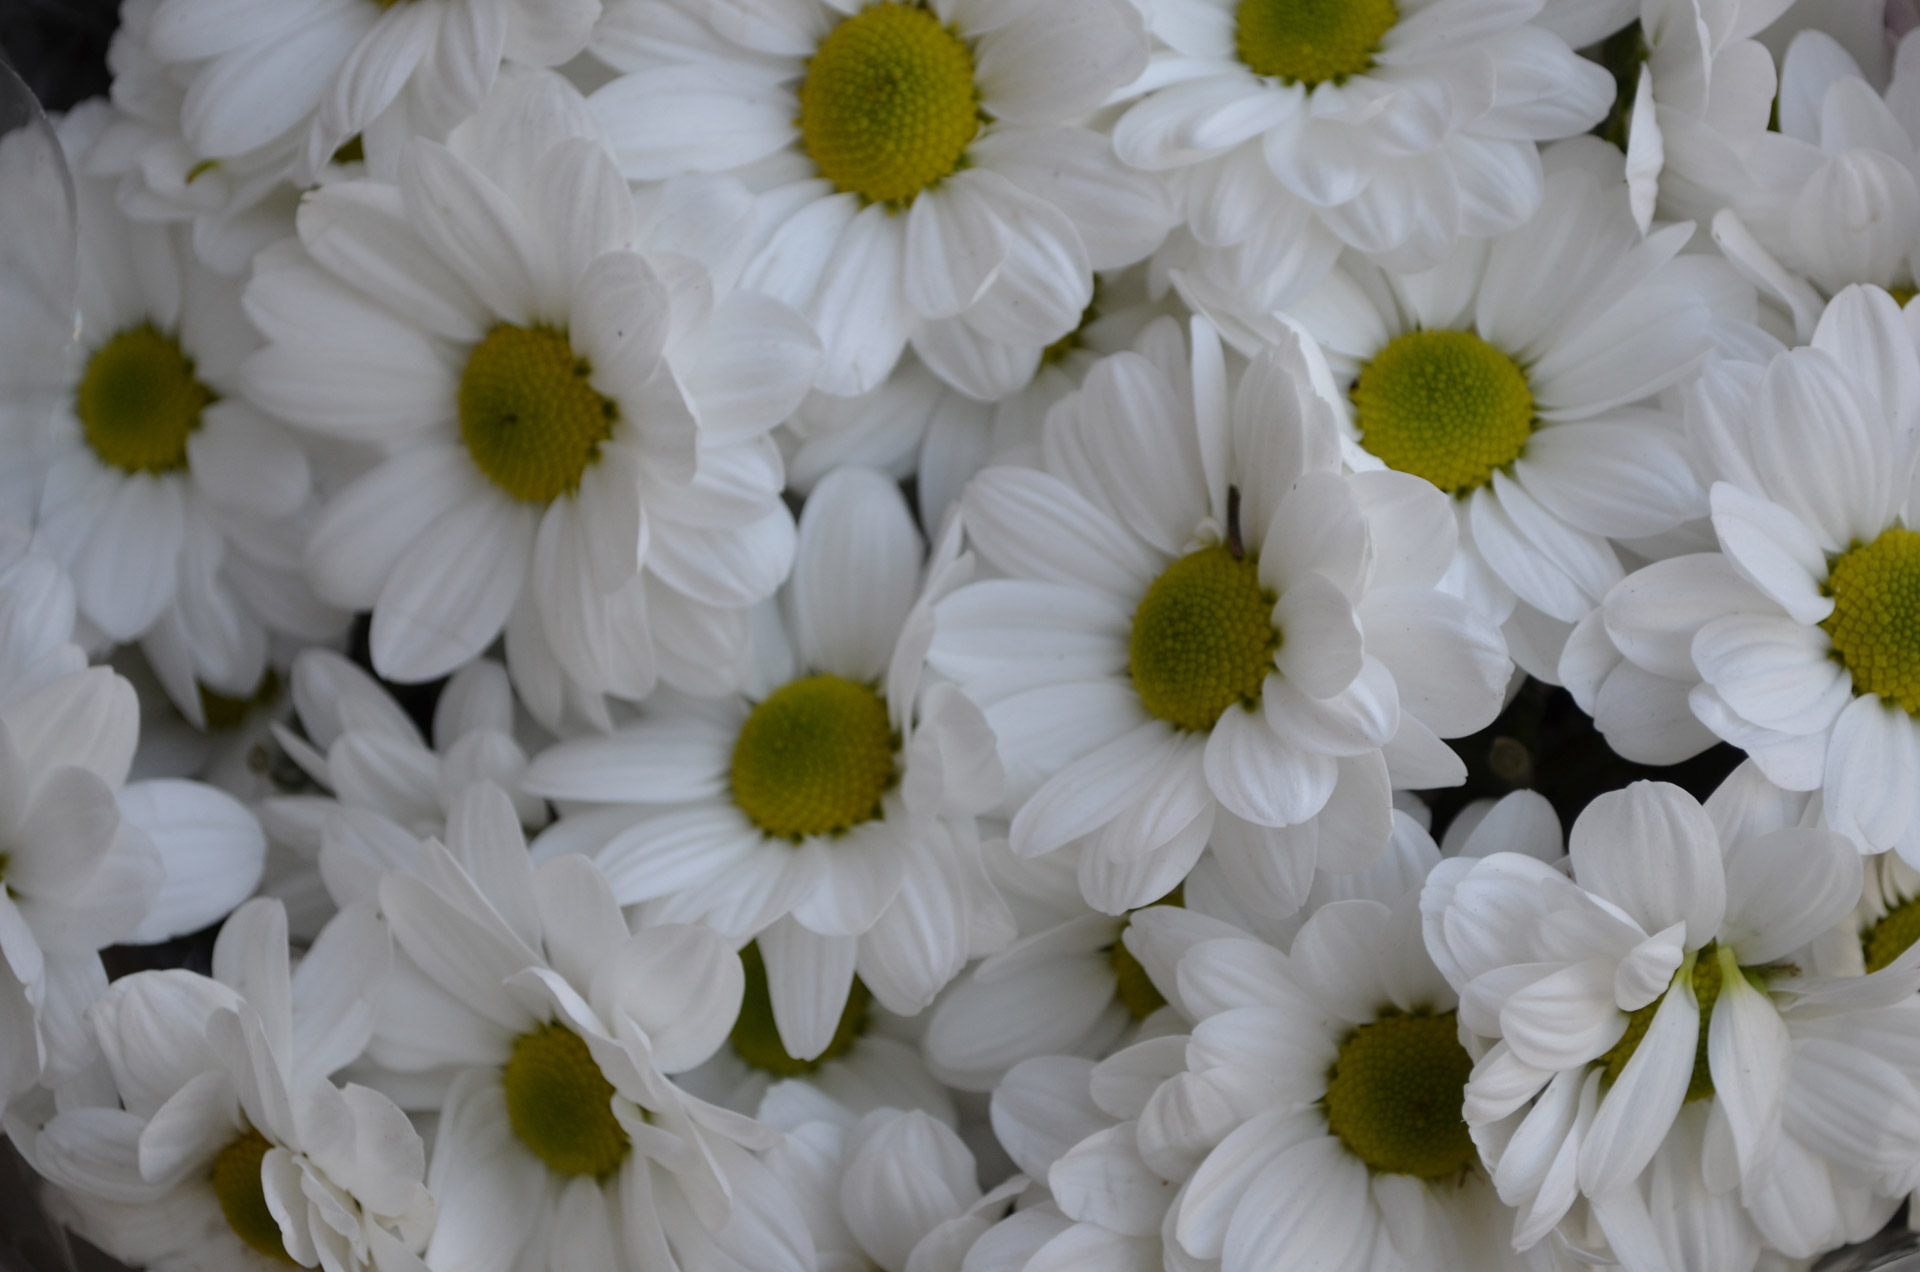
756 1038
1312 41
1203 638
1394 1095
242 1198
560 1104
138 401
1444 405
1875 624
1890 936
1706 972
814 758
1134 988
888 104
527 414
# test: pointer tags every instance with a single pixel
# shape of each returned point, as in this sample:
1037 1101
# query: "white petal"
1652 850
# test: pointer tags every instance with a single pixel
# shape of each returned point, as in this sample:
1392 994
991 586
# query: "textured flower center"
237 1187
1203 638
1394 1096
1312 41
560 1104
889 104
1706 973
527 414
814 758
756 1038
1891 936
1875 624
138 401
1132 986
1444 405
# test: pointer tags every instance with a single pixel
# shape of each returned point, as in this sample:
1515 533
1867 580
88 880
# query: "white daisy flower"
922 172
1519 378
179 509
829 810
228 1147
574 418
550 1027
1211 632
1395 128
1666 971
1792 637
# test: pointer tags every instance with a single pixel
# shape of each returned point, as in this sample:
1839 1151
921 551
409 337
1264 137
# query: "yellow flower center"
1394 1095
1312 41
139 402
1875 624
1444 405
527 414
1706 972
1892 934
888 104
756 1038
1901 295
814 758
243 1200
1134 988
560 1104
1203 638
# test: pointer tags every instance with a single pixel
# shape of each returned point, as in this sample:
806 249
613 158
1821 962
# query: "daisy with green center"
228 1146
177 507
828 810
1520 379
1394 127
551 1027
572 412
1797 640
1207 631
922 170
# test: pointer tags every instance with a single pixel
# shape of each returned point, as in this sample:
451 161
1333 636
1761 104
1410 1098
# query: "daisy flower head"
224 1144
178 508
1206 630
551 1027
1520 378
571 409
1794 639
922 169
828 810
1394 128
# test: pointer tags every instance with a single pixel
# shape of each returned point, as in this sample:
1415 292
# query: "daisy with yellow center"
1177 654
924 162
558 439
827 812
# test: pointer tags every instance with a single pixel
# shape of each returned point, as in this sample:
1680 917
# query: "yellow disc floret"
1875 624
814 758
889 104
1891 935
1311 41
560 1104
527 414
1394 1095
1203 638
756 1037
1444 405
139 402
243 1199
1706 973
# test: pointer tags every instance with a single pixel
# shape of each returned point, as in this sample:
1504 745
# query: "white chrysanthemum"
550 1026
1794 638
574 417
228 1148
1209 630
829 810
922 171
1396 128
179 509
1666 971
1519 378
